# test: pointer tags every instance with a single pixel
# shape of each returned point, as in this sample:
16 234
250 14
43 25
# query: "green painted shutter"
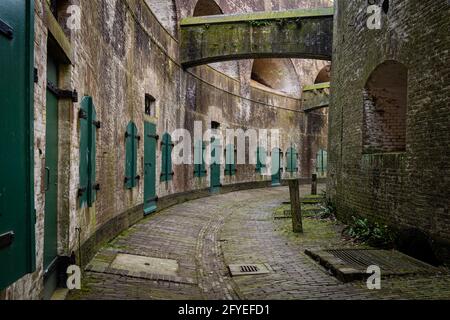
322 162
289 160
166 150
17 217
93 124
84 152
199 159
203 171
150 145
131 156
295 161
88 151
260 159
230 164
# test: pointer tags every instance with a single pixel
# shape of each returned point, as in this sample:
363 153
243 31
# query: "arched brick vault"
324 75
206 8
276 74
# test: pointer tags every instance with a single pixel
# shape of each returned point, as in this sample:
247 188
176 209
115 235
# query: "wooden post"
314 184
296 208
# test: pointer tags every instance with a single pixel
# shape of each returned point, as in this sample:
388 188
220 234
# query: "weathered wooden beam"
296 207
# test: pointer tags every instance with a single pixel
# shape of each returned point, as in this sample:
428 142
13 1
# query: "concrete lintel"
258 16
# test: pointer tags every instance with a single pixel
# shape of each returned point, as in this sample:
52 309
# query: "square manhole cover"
138 264
248 269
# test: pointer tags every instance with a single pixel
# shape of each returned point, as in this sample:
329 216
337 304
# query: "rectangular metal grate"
391 262
248 269
352 264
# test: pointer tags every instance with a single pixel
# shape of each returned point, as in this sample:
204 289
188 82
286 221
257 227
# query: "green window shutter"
260 159
88 148
199 159
166 150
295 161
17 214
93 126
322 159
230 164
203 171
131 144
84 151
289 160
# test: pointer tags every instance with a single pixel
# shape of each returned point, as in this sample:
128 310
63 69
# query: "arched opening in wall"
207 8
276 74
324 75
385 109
166 13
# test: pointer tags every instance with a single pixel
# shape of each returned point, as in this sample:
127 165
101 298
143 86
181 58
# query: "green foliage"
328 207
260 23
372 233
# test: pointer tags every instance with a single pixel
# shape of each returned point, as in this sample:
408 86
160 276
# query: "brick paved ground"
206 235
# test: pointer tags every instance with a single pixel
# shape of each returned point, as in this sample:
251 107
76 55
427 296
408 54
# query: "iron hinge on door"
6 30
62 94
6 240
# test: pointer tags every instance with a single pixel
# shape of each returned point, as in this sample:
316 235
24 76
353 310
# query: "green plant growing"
372 233
328 207
260 23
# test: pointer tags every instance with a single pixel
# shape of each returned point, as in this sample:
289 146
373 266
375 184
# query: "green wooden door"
276 167
17 220
150 143
216 152
322 163
51 169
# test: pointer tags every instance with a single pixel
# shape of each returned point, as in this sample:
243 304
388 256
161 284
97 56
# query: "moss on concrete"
259 16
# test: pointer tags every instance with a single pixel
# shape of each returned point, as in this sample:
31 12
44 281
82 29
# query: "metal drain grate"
248 269
391 262
351 264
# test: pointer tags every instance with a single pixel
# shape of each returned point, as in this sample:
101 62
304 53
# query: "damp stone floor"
185 253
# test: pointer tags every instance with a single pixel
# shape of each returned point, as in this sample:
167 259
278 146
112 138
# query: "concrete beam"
316 96
304 34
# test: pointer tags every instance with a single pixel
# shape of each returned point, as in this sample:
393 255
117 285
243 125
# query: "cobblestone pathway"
206 235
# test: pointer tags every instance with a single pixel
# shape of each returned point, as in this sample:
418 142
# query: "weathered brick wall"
121 54
408 189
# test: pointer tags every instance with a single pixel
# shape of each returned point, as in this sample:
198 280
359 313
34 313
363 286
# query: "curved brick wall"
122 53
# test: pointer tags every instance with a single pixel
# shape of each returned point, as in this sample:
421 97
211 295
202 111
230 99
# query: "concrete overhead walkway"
206 235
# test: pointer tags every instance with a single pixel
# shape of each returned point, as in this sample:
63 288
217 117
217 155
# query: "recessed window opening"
150 105
385 109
